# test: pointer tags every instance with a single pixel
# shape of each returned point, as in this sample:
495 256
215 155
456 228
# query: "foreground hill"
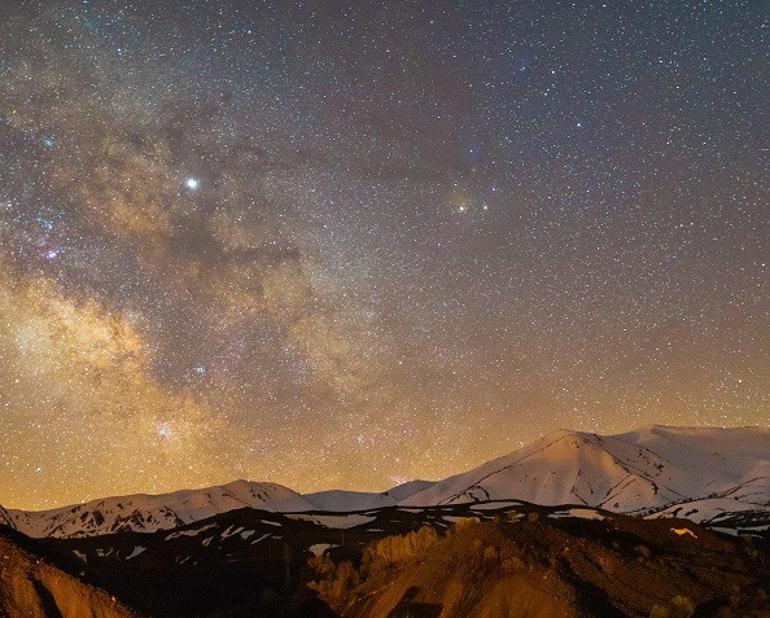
502 559
534 566
32 585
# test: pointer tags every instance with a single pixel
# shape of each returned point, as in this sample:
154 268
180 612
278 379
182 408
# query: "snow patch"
335 521
579 513
231 531
319 549
137 550
193 532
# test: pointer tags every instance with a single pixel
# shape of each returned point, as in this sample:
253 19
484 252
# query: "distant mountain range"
144 513
709 475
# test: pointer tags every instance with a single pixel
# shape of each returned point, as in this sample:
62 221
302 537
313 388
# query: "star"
46 224
231 255
164 431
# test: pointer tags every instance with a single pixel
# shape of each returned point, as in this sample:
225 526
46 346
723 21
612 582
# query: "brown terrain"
450 561
528 566
30 586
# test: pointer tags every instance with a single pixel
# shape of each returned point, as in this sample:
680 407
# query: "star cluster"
330 244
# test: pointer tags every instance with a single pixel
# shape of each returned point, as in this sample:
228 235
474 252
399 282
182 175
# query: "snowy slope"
705 474
144 513
639 471
342 500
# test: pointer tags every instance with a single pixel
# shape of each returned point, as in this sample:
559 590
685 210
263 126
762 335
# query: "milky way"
336 245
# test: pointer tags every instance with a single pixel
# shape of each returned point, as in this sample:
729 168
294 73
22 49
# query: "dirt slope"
32 587
531 567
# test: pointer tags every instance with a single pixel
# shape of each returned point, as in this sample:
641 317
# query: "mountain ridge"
148 512
652 470
647 473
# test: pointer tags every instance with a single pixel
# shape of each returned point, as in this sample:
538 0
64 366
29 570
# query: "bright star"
192 183
164 431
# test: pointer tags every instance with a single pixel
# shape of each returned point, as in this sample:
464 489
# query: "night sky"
348 245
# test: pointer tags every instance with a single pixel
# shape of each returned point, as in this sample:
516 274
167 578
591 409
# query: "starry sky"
335 244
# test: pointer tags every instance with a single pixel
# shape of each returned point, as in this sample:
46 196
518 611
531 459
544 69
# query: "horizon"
303 493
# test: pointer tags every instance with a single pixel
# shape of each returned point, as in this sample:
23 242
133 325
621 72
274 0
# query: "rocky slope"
254 563
31 586
530 565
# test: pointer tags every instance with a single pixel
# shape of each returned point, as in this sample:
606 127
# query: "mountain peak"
656 468
147 513
650 468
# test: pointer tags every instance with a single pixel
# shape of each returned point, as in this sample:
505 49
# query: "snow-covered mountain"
636 472
144 513
709 475
342 500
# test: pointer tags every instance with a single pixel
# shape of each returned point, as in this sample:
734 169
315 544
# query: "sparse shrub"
491 554
395 550
682 607
643 551
463 523
512 564
476 547
322 565
335 581
533 516
678 607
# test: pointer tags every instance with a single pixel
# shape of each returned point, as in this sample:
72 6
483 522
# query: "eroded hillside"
524 565
32 587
